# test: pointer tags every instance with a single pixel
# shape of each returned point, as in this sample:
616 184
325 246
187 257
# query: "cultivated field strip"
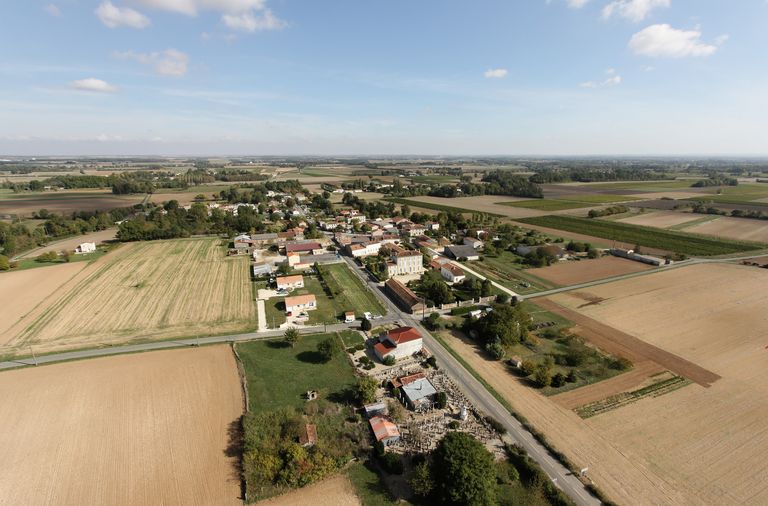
622 344
152 289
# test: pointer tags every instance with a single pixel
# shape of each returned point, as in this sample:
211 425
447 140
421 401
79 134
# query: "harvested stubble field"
680 242
707 443
73 242
23 291
484 204
661 219
335 491
151 428
583 271
741 229
150 290
65 201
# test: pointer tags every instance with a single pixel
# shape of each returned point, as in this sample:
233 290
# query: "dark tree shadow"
311 357
346 395
234 450
277 345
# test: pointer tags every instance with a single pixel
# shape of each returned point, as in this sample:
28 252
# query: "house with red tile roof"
398 343
384 430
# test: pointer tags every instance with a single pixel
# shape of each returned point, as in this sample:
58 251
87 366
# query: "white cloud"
576 4
635 10
496 73
170 62
613 79
667 42
53 10
192 7
250 22
114 16
93 85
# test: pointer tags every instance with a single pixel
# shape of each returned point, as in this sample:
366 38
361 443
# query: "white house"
365 249
86 247
398 343
404 262
300 303
290 282
452 273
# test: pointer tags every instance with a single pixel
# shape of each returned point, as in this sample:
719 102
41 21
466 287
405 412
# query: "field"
583 271
279 376
143 291
504 269
488 204
546 204
680 242
65 201
336 491
661 219
21 292
141 429
708 443
740 229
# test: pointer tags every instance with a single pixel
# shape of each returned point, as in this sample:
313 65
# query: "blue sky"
443 77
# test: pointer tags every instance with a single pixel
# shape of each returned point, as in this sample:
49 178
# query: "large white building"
365 249
404 263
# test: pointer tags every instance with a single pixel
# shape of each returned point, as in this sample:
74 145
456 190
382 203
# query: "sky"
395 77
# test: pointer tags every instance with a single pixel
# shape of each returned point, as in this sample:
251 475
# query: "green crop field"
349 292
545 204
672 184
680 242
598 199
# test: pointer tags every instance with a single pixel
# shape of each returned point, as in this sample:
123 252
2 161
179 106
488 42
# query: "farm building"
462 253
419 393
314 248
290 282
300 303
646 259
398 343
452 273
384 430
473 243
403 296
86 247
376 409
262 269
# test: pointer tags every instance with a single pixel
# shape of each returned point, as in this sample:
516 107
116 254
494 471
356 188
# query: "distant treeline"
716 180
497 182
592 175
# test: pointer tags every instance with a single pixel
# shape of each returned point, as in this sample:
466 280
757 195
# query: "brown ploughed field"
335 491
583 271
661 219
66 201
144 429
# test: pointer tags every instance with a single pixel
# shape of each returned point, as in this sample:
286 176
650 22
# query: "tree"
542 377
464 471
558 380
366 389
441 400
327 348
507 324
396 410
66 255
388 360
365 325
485 288
422 483
495 350
292 336
502 298
4 263
527 368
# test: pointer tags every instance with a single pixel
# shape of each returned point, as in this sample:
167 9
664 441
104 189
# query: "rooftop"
299 299
418 390
383 428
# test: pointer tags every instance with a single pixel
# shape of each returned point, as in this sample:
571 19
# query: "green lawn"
353 294
651 186
351 338
279 376
368 486
680 242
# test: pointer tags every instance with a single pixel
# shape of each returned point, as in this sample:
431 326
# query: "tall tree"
292 336
464 471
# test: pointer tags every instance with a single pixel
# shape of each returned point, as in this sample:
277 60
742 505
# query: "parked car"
368 316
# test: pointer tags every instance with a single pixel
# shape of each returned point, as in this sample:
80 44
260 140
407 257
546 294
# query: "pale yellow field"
661 219
149 290
145 429
72 243
694 445
485 204
743 229
335 491
23 291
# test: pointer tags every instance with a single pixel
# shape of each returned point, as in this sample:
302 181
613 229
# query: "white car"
368 316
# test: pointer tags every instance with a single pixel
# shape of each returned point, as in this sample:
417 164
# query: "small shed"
376 409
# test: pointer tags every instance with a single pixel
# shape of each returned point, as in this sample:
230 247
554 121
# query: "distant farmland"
680 242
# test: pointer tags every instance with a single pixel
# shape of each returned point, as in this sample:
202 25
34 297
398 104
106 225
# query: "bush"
365 325
389 360
359 347
441 400
558 380
495 350
502 298
542 377
527 368
621 364
351 350
392 463
572 378
453 424
461 311
496 425
5 265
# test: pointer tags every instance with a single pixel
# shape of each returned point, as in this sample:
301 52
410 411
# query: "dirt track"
144 429
622 344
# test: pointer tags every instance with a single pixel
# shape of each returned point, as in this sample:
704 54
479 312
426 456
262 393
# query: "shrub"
365 325
542 377
4 263
359 347
351 350
441 400
389 360
453 424
527 368
621 364
495 350
496 425
558 380
392 463
572 378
